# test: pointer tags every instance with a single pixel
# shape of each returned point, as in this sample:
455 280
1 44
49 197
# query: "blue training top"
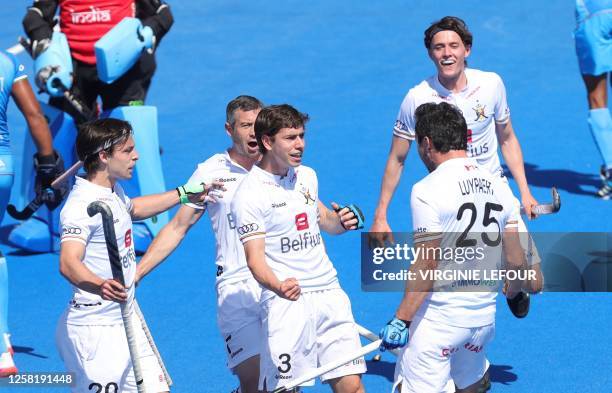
10 71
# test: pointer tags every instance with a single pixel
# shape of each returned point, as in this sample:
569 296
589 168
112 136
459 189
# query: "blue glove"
394 334
356 211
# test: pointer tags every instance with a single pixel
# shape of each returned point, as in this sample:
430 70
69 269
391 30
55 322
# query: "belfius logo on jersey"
302 241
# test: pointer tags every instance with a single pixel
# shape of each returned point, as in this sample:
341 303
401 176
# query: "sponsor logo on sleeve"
71 231
400 126
247 228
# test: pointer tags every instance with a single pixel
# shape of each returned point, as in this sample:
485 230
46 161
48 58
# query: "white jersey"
86 308
460 202
230 259
284 211
482 102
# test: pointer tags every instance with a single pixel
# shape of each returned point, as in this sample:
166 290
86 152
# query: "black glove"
48 168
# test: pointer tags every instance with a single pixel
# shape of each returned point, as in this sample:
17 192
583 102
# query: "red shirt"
85 21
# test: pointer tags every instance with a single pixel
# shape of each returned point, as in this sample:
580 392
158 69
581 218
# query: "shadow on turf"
498 373
564 179
27 351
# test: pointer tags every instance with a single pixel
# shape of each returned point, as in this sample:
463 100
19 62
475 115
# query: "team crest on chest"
480 112
309 200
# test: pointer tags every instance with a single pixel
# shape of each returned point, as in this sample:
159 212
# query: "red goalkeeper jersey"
85 21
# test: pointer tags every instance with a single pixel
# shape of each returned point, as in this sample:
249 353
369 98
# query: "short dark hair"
100 135
443 124
244 103
451 23
273 118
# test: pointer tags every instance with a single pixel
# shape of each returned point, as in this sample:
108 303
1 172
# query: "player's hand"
112 290
394 334
199 193
380 234
348 216
528 202
289 289
48 168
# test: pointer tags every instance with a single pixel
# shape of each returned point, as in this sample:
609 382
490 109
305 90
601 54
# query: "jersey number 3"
463 240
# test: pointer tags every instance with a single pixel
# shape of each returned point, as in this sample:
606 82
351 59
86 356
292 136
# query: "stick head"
556 200
99 207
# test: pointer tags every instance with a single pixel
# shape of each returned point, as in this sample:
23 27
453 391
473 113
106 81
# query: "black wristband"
46 160
407 323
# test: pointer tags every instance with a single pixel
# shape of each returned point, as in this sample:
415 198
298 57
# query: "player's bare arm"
28 105
332 221
393 172
513 156
168 239
514 256
149 205
73 269
420 287
256 260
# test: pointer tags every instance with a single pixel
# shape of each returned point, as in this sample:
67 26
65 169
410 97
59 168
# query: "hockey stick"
368 335
84 113
317 372
113 255
147 332
38 199
547 208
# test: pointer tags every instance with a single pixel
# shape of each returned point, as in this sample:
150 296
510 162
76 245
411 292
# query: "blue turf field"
349 64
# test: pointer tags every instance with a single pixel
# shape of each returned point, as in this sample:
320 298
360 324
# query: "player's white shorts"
437 352
239 320
316 329
99 357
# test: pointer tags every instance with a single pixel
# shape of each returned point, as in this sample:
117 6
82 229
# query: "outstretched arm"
168 239
149 205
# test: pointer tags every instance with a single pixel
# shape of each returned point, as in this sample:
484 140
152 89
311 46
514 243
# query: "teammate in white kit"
481 97
307 318
237 292
449 330
90 335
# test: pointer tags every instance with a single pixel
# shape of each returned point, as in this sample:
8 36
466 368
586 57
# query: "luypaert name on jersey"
475 185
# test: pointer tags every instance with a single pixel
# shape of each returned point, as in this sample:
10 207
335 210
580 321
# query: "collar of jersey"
271 176
84 183
232 162
445 92
456 162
